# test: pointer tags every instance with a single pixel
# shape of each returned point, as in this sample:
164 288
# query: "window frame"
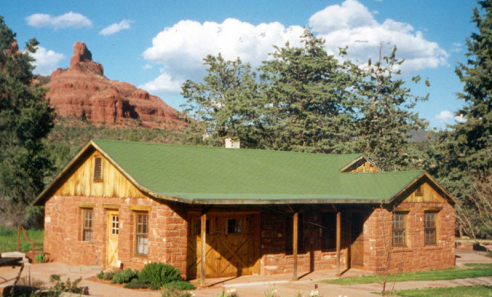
236 226
86 229
327 230
141 234
402 230
196 228
98 168
426 228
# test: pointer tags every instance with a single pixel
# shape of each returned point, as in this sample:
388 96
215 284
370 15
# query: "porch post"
203 227
339 225
294 242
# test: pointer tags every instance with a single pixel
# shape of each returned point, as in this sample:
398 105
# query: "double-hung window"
87 224
142 234
430 228
399 229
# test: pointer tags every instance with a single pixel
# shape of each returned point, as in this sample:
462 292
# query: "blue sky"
156 45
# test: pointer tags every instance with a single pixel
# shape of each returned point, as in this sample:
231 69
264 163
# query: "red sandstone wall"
167 232
273 241
415 256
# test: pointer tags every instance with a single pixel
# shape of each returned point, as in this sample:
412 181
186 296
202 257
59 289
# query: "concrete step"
76 268
16 255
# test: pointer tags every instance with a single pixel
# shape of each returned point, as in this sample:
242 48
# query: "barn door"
230 249
112 245
357 241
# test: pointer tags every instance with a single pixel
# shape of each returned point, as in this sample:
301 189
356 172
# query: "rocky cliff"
83 91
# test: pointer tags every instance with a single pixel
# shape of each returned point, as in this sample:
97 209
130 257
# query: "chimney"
231 143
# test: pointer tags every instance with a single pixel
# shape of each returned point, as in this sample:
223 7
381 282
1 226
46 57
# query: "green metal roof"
218 175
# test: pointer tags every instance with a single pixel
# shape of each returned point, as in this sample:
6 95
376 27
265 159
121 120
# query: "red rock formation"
84 92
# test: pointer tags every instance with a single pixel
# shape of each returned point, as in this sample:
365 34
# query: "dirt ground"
245 286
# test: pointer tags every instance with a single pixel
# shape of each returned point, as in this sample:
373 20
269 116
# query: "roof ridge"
221 148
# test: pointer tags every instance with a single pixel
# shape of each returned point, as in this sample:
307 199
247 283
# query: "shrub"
124 276
179 285
100 275
39 258
108 275
136 284
158 274
173 292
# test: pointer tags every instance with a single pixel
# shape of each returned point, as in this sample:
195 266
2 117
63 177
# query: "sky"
157 44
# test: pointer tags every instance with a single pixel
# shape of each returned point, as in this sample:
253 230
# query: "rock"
84 92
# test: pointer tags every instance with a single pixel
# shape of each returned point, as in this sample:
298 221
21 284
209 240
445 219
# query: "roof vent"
231 143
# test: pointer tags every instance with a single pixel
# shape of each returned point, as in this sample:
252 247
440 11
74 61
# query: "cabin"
218 212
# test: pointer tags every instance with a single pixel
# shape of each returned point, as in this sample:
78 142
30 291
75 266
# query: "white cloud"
446 116
460 118
352 24
70 19
114 28
46 61
180 49
163 83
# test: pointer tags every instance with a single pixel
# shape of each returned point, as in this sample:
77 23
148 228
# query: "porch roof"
211 175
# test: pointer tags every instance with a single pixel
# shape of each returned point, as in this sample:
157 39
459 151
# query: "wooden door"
230 249
357 240
112 245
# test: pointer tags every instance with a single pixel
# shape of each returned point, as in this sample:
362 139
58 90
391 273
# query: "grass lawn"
475 270
8 240
473 291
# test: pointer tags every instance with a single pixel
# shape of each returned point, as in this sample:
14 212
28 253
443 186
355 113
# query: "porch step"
16 255
77 268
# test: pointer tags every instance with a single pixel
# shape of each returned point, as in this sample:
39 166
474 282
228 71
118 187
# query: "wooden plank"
339 229
294 243
203 226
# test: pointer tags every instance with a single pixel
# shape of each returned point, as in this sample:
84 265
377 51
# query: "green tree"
462 158
386 117
224 104
307 97
25 119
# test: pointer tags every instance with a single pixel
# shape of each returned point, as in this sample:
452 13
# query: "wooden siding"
429 194
113 184
366 167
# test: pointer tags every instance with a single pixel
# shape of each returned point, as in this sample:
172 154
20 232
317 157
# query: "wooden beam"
339 233
203 237
294 242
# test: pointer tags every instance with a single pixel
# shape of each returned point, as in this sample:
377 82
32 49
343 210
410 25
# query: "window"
399 229
142 234
234 226
419 192
197 227
98 169
329 231
87 223
430 228
289 234
115 225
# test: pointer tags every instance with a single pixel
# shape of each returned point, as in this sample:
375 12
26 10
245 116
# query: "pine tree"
386 118
462 157
308 99
25 119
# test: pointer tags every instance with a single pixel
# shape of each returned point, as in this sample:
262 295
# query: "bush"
158 274
39 258
124 276
179 285
108 275
136 284
173 292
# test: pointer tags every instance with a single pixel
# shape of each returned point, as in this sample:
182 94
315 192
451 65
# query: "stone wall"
63 231
415 256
